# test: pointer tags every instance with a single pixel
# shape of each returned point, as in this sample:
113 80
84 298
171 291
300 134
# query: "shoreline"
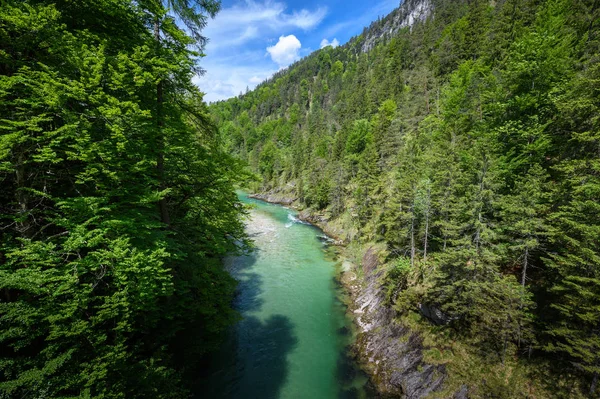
390 354
303 214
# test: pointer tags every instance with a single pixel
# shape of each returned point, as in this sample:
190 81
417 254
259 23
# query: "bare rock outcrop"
280 197
391 353
409 13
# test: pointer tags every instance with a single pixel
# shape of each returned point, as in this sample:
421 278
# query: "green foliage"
100 297
467 145
360 136
267 160
397 277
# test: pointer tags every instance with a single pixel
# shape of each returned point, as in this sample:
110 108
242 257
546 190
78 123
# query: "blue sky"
252 39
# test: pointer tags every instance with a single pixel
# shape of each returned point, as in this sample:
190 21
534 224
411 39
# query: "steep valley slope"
452 148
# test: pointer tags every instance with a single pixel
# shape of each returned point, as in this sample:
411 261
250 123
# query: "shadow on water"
265 348
248 292
353 382
253 363
249 288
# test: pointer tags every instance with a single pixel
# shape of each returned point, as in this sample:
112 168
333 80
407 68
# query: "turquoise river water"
294 335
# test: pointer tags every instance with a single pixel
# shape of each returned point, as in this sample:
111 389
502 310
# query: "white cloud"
224 83
238 35
334 43
307 20
250 33
375 10
285 51
235 55
250 19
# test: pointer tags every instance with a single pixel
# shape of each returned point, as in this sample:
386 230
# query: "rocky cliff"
409 12
390 353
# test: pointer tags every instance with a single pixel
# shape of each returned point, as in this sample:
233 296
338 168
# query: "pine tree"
576 229
524 217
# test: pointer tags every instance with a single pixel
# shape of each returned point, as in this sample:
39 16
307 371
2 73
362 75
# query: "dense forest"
117 200
468 146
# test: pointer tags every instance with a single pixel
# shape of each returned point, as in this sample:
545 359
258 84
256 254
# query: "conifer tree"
576 229
524 214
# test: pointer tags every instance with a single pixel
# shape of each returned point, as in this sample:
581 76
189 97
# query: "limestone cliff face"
409 13
390 353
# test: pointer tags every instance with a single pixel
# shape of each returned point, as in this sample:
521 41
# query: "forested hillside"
116 200
468 145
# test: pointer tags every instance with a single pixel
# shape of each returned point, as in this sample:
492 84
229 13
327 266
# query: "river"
293 337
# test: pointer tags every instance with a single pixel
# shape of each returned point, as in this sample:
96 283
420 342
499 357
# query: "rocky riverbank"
306 215
390 353
274 198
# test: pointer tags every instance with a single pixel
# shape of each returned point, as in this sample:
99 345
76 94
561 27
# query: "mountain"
453 146
409 13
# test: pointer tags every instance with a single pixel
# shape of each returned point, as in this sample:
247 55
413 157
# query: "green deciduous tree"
99 298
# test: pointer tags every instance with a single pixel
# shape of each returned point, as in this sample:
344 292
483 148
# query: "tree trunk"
438 101
504 349
478 232
594 6
427 96
512 21
160 140
412 237
24 226
480 206
525 261
428 209
523 280
445 231
594 384
426 234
